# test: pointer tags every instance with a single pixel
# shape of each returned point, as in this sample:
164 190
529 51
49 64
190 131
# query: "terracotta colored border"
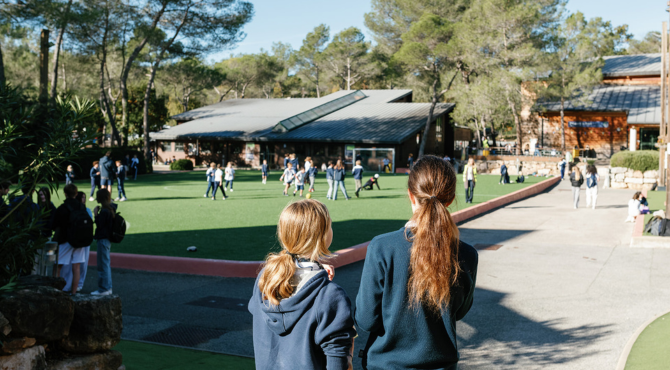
623 358
225 268
638 228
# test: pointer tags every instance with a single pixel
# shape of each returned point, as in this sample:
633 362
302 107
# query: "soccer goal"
372 159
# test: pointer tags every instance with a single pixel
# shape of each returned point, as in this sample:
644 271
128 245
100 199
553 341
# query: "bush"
182 165
641 160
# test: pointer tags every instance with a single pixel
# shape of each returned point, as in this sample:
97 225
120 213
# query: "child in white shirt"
218 182
300 181
230 176
287 177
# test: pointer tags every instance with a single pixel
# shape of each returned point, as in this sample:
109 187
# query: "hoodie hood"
281 319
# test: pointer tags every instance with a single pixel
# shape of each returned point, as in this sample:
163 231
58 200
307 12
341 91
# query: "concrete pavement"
562 290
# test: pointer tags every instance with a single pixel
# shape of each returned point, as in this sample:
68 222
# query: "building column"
632 146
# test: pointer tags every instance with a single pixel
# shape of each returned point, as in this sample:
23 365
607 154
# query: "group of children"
216 177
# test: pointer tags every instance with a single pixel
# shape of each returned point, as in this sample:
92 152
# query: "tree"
309 59
189 77
196 27
575 63
425 53
651 43
347 56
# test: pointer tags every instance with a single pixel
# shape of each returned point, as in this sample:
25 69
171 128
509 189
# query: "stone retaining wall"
625 178
44 328
541 166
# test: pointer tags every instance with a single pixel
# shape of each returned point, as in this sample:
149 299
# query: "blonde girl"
418 281
576 180
470 180
301 320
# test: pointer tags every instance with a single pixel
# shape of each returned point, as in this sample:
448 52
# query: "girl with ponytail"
418 281
301 319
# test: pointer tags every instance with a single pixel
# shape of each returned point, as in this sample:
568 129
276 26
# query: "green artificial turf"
167 213
145 356
656 201
650 350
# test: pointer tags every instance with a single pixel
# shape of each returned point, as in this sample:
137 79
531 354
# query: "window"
166 146
178 146
318 112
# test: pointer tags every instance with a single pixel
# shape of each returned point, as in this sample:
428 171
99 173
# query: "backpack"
591 181
520 179
118 229
79 228
658 227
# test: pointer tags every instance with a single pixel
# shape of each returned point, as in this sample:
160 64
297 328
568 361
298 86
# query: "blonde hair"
578 173
358 163
212 165
69 168
471 161
302 232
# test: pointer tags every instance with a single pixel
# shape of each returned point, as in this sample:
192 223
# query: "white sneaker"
123 199
116 199
231 190
91 199
98 292
205 195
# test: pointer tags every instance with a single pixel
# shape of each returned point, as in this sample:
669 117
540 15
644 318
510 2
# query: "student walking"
295 162
135 166
66 270
592 180
357 171
69 175
94 173
229 176
104 219
211 184
330 175
561 166
410 161
107 172
74 231
301 319
287 177
300 181
387 165
338 180
218 182
470 180
120 180
264 171
504 177
410 310
576 180
312 175
286 160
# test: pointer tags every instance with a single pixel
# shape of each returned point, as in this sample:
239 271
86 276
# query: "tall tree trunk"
131 59
2 71
318 89
145 111
349 80
562 124
103 97
426 129
59 41
244 89
517 124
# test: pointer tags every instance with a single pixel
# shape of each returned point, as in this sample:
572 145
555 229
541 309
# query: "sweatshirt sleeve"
368 313
466 282
335 331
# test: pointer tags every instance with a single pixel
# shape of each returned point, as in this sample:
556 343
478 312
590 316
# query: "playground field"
167 213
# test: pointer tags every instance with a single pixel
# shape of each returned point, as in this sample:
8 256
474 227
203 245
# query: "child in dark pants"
120 179
369 185
95 179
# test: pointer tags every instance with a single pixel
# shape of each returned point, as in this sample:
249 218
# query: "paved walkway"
563 292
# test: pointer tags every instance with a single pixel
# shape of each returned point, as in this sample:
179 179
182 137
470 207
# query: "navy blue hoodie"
311 330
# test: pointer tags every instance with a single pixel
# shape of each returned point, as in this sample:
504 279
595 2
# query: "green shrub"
641 160
181 165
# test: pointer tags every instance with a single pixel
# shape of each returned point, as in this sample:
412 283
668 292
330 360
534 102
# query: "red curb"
249 269
638 228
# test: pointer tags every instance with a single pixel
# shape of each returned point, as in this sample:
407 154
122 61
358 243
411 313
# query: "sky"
289 21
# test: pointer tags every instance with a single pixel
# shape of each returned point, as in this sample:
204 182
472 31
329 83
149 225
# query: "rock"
652 174
15 345
647 180
629 173
108 360
619 177
33 358
633 180
618 170
96 326
37 280
638 174
39 312
5 328
619 185
646 187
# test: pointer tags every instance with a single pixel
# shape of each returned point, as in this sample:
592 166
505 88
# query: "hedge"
181 165
83 164
641 160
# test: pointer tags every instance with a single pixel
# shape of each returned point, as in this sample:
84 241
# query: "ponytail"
275 282
434 266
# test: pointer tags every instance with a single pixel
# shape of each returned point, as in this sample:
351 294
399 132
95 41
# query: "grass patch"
145 356
167 213
656 201
650 350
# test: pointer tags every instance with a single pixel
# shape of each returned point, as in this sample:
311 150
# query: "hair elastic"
294 256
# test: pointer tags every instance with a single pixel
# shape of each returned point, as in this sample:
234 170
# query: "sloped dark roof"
370 120
632 65
641 102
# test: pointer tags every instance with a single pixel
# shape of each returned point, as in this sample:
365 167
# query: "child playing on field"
120 179
264 171
95 178
218 182
230 176
357 171
69 175
312 175
287 177
301 320
299 181
210 179
374 180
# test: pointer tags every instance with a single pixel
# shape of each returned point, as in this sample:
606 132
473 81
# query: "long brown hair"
47 197
105 199
339 165
434 264
302 232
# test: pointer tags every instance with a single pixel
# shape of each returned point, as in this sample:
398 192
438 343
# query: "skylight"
322 110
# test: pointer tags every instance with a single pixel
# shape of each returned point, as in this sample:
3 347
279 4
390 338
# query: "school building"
372 124
624 112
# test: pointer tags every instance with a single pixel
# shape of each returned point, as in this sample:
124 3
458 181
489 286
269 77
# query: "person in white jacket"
634 207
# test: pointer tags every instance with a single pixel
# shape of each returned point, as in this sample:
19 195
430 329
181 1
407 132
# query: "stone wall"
43 328
541 166
625 178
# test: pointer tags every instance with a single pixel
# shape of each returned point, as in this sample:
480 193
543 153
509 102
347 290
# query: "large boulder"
619 185
39 312
651 174
618 170
16 345
108 360
38 280
634 180
33 358
638 174
97 324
